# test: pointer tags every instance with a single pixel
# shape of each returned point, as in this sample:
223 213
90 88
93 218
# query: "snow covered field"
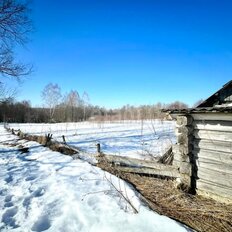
46 191
138 139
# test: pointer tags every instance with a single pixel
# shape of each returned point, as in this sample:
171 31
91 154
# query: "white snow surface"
46 191
137 139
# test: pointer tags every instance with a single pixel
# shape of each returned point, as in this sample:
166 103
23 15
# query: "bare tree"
73 99
15 25
51 96
85 102
6 92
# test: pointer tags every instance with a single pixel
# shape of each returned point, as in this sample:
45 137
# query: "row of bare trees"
68 107
142 112
22 112
73 108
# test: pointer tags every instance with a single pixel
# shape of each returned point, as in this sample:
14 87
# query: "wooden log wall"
212 148
203 154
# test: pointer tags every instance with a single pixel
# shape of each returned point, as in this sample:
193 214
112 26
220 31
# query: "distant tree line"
22 112
142 112
72 108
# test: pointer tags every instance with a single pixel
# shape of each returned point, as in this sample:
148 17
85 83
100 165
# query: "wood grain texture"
168 172
221 146
213 188
211 146
213 135
215 177
213 156
214 165
212 116
140 166
215 125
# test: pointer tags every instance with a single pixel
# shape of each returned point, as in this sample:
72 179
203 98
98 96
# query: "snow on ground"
137 139
46 191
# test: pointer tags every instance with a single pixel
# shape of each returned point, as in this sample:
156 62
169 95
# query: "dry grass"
161 195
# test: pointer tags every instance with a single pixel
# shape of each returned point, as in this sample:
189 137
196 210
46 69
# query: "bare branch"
14 22
15 26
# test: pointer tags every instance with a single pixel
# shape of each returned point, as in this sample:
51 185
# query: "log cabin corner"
203 153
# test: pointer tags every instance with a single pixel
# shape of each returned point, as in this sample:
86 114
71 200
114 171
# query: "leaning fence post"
63 137
19 132
48 139
98 148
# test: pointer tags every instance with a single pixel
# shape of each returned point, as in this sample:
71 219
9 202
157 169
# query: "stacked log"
184 159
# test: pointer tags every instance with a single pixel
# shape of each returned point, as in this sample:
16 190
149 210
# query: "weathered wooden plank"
223 146
213 135
167 157
217 125
132 162
214 156
213 188
169 172
215 177
212 116
214 165
140 166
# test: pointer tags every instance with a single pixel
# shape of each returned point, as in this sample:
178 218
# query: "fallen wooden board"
133 165
127 161
168 172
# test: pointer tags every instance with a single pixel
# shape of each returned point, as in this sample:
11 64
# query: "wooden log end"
184 120
185 168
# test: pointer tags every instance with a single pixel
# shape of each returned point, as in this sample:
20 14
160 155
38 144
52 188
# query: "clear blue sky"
130 52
